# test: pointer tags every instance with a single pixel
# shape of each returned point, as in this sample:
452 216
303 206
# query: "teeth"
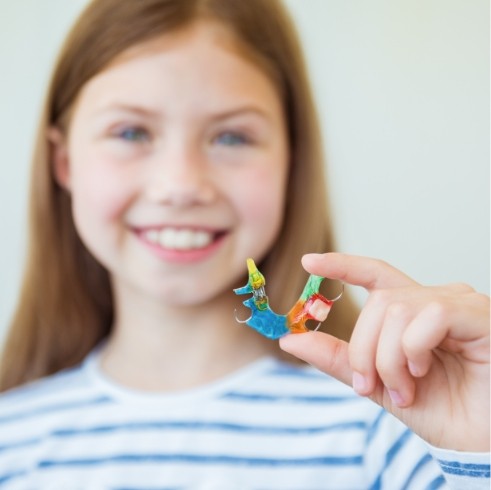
182 239
152 236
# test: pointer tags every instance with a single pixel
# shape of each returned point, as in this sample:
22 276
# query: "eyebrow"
122 107
242 111
139 110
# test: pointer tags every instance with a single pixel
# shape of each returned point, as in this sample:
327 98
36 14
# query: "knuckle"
379 297
482 301
337 358
380 263
462 287
437 311
398 311
411 345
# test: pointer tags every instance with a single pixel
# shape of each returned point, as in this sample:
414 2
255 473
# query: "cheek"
99 190
99 200
261 202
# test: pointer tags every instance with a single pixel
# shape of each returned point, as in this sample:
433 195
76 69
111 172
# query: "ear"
59 156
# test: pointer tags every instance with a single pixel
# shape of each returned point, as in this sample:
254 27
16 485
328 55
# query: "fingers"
402 331
391 361
363 346
360 271
323 351
458 324
424 333
376 353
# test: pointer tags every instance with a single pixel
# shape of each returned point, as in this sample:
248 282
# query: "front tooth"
184 240
173 239
167 238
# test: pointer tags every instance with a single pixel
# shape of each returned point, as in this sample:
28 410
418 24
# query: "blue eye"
232 139
134 135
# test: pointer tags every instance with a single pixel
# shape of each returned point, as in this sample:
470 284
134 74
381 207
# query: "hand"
420 352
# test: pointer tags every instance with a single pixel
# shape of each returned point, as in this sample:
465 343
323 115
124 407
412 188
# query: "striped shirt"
269 426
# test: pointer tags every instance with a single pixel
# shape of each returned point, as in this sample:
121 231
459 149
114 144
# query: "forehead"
203 31
205 51
198 31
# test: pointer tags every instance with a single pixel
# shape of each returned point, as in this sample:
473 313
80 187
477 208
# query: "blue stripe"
376 423
206 460
422 462
389 457
21 444
377 484
10 476
458 464
152 488
210 426
54 408
262 397
391 454
295 372
438 482
465 469
191 426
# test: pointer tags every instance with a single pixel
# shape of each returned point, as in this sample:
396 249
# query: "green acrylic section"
311 287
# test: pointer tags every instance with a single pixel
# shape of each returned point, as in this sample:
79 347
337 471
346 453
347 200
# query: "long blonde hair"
65 306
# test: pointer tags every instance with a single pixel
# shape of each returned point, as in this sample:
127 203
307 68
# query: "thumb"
321 350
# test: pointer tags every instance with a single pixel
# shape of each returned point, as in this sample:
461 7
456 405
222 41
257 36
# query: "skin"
420 352
146 151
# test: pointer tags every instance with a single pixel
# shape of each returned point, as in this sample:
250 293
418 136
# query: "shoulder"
44 388
50 394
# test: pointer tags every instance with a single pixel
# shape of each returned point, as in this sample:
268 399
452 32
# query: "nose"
180 181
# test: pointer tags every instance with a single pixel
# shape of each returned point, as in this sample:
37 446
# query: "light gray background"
403 94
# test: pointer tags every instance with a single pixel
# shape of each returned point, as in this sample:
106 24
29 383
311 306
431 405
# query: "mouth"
181 239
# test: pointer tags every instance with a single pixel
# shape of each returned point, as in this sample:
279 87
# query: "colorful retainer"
265 320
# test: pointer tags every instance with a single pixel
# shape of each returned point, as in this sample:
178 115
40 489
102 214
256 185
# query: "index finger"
359 271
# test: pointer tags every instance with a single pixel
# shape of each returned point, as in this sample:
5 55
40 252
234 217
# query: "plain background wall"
403 95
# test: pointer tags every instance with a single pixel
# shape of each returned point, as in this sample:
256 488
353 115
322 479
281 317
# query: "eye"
133 134
232 138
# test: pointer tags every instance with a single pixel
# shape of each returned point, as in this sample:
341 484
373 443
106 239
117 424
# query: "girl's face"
176 159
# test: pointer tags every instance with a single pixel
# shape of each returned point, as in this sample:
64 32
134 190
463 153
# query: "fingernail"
359 382
413 368
396 397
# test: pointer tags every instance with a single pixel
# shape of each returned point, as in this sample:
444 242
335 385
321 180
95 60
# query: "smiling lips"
179 239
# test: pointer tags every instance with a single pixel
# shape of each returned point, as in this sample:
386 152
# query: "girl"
178 139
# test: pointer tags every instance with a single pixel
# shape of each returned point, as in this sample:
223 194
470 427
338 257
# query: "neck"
160 348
